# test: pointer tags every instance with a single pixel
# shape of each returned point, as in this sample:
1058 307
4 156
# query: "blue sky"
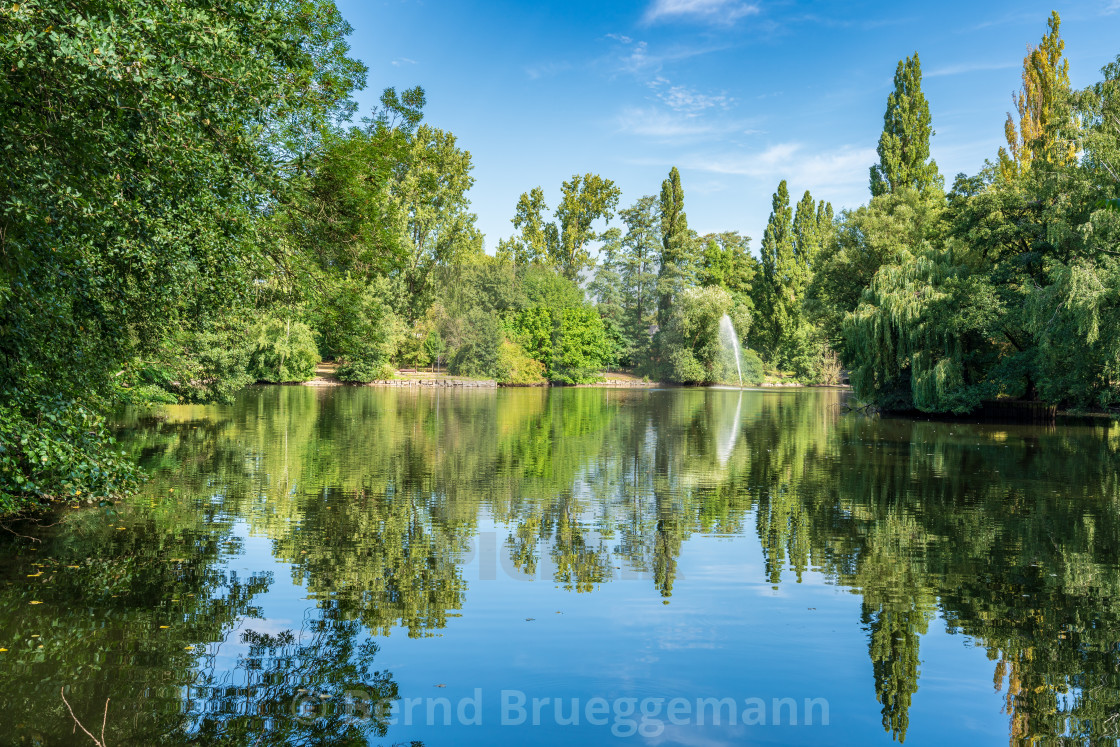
738 94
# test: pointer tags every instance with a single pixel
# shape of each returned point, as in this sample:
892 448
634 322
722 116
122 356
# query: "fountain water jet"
728 337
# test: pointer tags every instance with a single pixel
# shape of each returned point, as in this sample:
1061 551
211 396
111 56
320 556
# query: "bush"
283 351
518 367
753 370
62 452
358 328
479 354
690 345
580 346
204 365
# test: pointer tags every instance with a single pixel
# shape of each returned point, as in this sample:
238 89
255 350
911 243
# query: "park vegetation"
192 203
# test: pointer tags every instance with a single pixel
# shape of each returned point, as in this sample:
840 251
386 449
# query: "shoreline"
325 377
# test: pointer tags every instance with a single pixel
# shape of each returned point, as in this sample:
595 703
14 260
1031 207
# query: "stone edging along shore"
491 384
325 377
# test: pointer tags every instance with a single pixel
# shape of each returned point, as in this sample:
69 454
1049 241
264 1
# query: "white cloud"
838 169
547 69
708 11
685 100
639 59
967 67
402 61
661 125
634 57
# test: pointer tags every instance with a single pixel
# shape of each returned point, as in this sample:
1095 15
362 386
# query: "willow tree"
922 336
904 145
1043 108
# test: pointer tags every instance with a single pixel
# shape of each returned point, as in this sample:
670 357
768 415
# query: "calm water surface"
679 567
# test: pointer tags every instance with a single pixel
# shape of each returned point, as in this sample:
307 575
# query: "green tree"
283 351
774 296
676 268
1043 106
480 353
904 144
584 200
727 262
692 349
114 235
580 346
863 240
539 240
562 243
607 291
429 197
639 269
355 327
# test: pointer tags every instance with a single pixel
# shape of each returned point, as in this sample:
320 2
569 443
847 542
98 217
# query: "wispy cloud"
402 61
1111 7
721 12
653 122
686 100
546 69
838 169
634 57
970 67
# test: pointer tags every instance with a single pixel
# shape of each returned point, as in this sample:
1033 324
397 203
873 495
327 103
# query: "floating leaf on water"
36 603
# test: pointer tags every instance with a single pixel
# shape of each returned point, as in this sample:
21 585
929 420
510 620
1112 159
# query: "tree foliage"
904 145
1043 106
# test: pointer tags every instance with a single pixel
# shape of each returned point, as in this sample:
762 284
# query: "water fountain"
728 337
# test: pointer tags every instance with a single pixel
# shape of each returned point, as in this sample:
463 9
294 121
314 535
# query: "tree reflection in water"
374 499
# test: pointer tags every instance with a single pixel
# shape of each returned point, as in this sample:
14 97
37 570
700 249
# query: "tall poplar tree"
1042 109
676 241
904 144
777 256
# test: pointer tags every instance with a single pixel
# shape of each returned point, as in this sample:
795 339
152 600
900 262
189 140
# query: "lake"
666 567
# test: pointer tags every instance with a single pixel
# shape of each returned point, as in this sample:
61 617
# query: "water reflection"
373 502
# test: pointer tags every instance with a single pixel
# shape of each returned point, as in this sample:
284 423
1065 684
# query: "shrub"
358 328
62 452
480 352
580 346
282 351
753 371
202 365
518 367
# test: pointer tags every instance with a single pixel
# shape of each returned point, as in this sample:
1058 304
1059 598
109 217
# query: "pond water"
666 567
